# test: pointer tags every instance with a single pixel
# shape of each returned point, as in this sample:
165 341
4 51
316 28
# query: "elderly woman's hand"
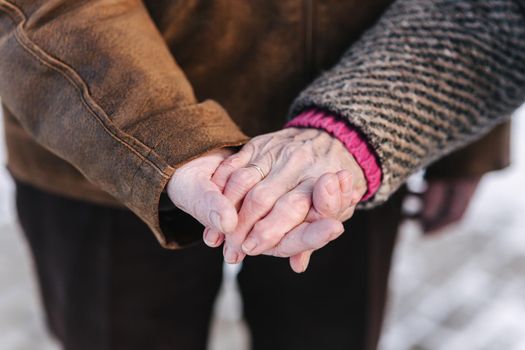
298 183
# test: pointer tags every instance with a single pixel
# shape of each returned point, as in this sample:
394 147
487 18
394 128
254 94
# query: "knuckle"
299 200
294 205
231 162
241 178
296 215
260 198
265 234
258 228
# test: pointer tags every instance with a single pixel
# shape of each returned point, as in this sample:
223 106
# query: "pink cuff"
351 138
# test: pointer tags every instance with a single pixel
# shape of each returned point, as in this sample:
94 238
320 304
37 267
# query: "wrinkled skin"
312 185
191 190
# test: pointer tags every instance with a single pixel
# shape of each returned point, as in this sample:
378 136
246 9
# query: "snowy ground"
463 289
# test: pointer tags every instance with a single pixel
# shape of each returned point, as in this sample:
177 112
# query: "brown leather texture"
104 100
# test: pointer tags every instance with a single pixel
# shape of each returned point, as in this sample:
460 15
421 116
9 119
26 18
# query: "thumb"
326 198
191 190
211 207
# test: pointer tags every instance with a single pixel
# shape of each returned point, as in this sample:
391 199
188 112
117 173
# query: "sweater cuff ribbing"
351 138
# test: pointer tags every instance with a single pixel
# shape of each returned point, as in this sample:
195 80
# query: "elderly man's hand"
192 191
311 184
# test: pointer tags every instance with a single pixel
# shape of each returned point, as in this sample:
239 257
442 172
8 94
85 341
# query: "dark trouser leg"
337 303
107 284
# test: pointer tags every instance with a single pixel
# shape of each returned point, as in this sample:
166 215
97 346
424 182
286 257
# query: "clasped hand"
284 194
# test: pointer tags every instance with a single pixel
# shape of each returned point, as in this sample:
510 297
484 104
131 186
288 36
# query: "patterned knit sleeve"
429 77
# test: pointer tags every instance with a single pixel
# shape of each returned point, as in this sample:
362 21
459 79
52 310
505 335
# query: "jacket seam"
81 86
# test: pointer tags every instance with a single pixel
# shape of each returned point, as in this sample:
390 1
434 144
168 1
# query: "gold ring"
258 168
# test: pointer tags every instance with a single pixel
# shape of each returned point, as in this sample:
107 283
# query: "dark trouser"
107 284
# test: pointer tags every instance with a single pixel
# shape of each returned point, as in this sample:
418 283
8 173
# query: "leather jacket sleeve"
93 82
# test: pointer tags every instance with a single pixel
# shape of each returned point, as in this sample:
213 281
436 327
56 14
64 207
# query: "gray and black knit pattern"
428 78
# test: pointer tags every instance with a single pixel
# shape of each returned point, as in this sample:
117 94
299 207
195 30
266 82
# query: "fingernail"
249 245
230 256
304 262
215 219
332 187
211 237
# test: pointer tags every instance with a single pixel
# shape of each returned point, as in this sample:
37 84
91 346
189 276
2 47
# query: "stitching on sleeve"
80 85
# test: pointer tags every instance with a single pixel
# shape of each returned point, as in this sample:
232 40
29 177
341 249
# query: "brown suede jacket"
103 100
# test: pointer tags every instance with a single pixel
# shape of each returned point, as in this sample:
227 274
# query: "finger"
232 255
307 236
347 193
229 165
326 198
256 204
190 189
212 238
288 211
210 207
240 183
349 199
299 263
346 214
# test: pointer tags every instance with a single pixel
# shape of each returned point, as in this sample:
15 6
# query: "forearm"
429 77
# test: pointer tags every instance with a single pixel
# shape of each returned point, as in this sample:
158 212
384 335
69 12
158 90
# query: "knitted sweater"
430 77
